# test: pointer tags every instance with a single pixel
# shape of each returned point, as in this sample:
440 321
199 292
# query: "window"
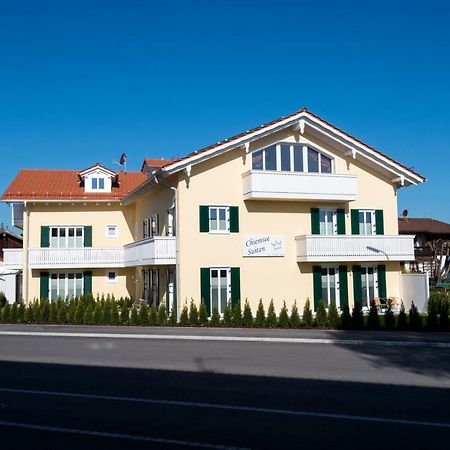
328 221
145 279
171 222
367 222
287 157
369 285
66 285
330 286
154 225
66 237
111 277
220 288
154 273
98 184
219 219
112 231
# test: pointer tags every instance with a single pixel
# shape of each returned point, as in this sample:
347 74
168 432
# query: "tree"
334 320
144 316
173 317
153 316
389 318
346 318
184 316
97 315
20 312
440 249
307 314
61 315
228 315
115 320
373 322
415 321
161 318
79 313
283 318
134 318
13 313
271 320
87 316
237 315
215 317
294 320
402 319
107 317
357 317
260 320
44 315
3 300
203 314
247 316
443 315
6 313
432 318
124 314
193 313
53 312
321 315
28 314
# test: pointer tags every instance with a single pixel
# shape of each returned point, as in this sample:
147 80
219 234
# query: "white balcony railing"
156 250
86 257
319 248
274 185
12 258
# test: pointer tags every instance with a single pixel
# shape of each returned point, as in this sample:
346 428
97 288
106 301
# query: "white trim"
116 233
109 280
227 219
228 281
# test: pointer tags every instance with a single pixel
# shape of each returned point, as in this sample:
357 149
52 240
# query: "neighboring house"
427 231
10 280
290 210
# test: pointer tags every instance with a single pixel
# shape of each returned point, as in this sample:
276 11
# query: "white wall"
8 286
414 288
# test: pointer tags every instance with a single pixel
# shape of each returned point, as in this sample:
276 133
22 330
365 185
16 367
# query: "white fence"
414 287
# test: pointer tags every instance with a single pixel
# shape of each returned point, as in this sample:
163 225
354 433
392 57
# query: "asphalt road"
172 388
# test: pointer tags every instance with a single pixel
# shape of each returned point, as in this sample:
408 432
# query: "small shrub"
107 316
321 315
215 317
203 314
271 319
124 315
357 317
53 313
283 318
247 316
153 316
432 318
36 311
193 313
44 315
20 312
373 322
134 318
143 315
88 314
115 319
97 315
260 319
415 321
161 318
307 316
389 318
71 312
6 313
228 315
237 314
79 313
61 313
184 316
294 320
334 321
346 318
3 300
402 319
28 313
13 313
173 317
443 315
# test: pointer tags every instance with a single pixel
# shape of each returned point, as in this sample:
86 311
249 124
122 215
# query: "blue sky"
82 81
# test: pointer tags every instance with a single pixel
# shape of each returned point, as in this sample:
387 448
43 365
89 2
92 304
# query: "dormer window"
98 179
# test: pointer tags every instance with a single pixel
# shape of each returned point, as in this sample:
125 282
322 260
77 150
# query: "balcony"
298 186
12 258
86 257
341 248
156 250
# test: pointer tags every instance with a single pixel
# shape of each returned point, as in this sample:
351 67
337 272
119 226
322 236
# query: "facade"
290 210
10 280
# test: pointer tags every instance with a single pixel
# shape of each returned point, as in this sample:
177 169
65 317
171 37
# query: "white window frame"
228 299
66 283
146 284
154 287
109 280
304 148
334 220
336 284
145 228
66 238
366 301
373 216
116 231
227 219
97 180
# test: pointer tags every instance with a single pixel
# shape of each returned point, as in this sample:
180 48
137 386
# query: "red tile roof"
155 162
422 225
273 122
64 185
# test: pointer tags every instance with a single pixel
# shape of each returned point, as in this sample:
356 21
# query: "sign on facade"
263 245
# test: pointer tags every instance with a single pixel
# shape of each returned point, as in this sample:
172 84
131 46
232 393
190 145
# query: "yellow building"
290 210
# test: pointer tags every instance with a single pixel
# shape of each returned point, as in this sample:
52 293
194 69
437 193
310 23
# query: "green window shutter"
340 213
235 285
382 281
357 284
88 236
355 221
343 286
315 221
205 287
234 219
44 285
45 237
87 278
204 219
317 282
379 221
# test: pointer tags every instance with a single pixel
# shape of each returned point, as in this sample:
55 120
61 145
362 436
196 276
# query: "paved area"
329 390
